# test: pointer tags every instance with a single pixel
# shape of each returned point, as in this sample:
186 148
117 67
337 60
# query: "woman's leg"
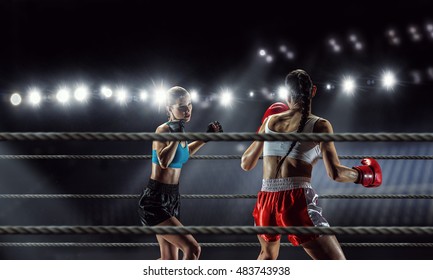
324 248
269 250
168 250
186 243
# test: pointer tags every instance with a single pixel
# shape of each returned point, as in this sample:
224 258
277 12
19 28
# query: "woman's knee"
169 255
325 248
192 251
268 254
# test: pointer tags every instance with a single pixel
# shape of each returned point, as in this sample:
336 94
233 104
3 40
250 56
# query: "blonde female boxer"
159 204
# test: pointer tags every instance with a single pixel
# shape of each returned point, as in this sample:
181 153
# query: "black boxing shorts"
159 202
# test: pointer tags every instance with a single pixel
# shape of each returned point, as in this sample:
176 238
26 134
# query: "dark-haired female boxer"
287 197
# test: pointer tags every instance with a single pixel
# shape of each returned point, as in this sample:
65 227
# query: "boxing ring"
425 231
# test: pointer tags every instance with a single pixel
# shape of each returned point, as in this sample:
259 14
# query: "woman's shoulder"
162 128
317 118
321 125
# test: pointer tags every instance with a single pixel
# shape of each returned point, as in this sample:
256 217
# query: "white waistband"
284 184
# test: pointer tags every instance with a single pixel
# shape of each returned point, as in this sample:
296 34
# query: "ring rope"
140 136
215 157
213 230
240 244
209 196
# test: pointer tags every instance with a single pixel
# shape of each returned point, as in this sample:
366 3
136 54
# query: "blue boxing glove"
176 126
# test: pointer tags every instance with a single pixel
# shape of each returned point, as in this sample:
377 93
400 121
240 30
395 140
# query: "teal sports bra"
180 158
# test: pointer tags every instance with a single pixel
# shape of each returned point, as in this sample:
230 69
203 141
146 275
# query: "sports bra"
180 158
306 151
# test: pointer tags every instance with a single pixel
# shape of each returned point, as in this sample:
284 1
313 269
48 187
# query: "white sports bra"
306 151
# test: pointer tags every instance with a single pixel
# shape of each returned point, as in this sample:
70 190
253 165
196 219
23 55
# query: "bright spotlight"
159 96
262 52
121 95
332 42
62 95
429 27
251 93
226 98
328 86
348 85
283 48
81 93
16 99
269 58
388 80
35 97
143 95
194 95
106 92
283 93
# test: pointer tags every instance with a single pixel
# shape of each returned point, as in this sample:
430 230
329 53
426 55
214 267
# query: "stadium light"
121 95
143 95
35 97
269 58
159 96
388 80
106 92
62 95
16 99
348 85
226 98
194 95
81 93
283 93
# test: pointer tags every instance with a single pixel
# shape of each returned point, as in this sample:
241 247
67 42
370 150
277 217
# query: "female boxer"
159 204
287 197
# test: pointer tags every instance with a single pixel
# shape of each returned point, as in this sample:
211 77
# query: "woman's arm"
335 170
165 151
252 154
211 128
195 146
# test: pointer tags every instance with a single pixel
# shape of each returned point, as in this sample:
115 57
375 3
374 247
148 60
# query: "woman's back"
300 161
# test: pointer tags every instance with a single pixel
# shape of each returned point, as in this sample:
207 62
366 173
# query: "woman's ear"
313 91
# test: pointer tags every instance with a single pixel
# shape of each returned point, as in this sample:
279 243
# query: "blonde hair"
174 94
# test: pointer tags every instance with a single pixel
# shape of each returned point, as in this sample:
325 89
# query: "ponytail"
300 85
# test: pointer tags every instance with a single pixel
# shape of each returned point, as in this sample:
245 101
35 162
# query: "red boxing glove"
276 108
370 173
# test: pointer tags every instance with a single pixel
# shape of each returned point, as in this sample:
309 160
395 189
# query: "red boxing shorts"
288 202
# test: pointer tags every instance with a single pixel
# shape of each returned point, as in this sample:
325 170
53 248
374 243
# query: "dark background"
207 46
